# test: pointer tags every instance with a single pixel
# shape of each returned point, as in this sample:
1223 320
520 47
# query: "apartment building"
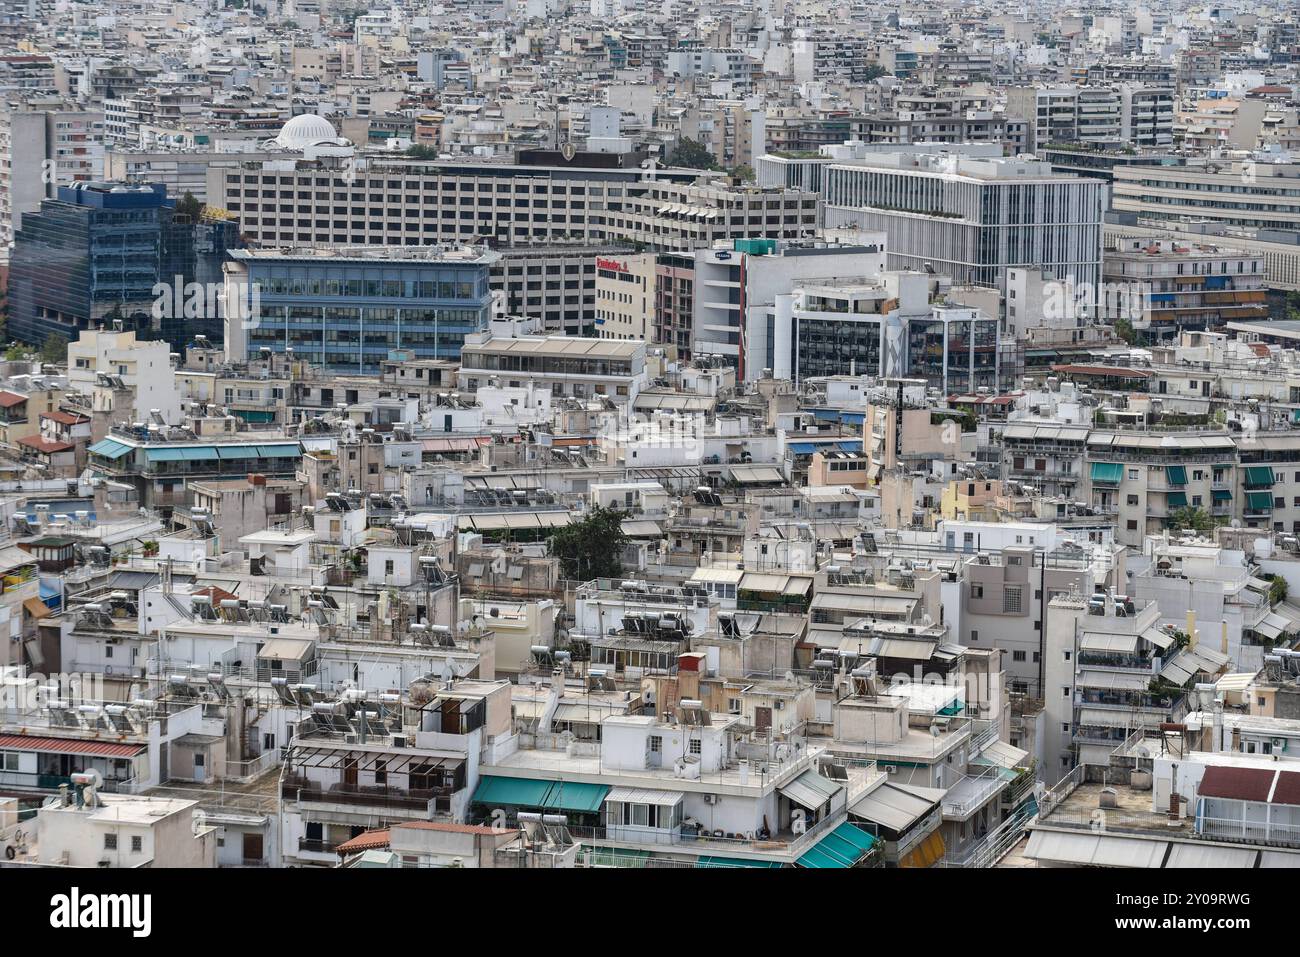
1169 286
45 143
971 214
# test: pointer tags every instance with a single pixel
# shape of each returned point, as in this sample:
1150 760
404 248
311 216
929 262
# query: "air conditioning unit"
710 799
889 768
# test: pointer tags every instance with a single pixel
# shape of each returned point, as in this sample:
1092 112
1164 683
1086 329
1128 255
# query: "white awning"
1112 681
1096 850
643 796
810 790
1208 855
1116 644
892 808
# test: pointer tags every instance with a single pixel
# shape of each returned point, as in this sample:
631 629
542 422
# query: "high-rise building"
346 309
969 213
93 253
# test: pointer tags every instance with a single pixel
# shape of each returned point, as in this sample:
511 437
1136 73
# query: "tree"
692 154
744 173
15 352
190 207
1124 329
55 350
421 151
591 547
1191 518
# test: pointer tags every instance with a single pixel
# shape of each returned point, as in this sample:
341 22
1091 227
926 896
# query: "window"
1011 599
110 842
1065 692
656 744
1017 656
137 844
695 746
8 760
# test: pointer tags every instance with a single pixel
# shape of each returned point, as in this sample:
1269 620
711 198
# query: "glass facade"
81 257
347 316
826 347
98 251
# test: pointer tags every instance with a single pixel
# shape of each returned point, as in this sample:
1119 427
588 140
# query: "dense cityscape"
546 434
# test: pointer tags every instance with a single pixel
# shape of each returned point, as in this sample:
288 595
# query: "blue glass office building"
96 250
346 309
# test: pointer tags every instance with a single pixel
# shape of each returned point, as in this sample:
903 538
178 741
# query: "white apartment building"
970 214
142 367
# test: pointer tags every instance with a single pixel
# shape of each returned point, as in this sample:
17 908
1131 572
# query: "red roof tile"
47 446
1287 789
1239 784
10 399
64 418
100 749
368 841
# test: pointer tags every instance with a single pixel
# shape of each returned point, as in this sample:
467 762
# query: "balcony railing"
308 846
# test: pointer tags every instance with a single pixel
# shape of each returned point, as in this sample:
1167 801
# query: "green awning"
1176 499
256 415
570 796
1176 474
843 847
541 795
1221 495
734 862
1259 501
511 792
109 449
1107 473
1257 475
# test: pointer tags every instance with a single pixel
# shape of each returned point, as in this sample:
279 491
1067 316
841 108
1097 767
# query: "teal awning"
842 847
1257 475
511 792
1176 499
109 449
570 796
256 415
1107 473
279 451
734 862
1176 474
1221 495
542 795
1259 501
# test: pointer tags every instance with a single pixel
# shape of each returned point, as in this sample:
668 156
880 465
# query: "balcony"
307 846
419 802
971 793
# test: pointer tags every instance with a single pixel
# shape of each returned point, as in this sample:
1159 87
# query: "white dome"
305 130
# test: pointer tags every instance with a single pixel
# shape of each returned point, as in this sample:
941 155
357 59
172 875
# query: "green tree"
875 70
1191 518
691 154
1124 329
744 173
592 547
55 350
15 352
421 151
187 205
